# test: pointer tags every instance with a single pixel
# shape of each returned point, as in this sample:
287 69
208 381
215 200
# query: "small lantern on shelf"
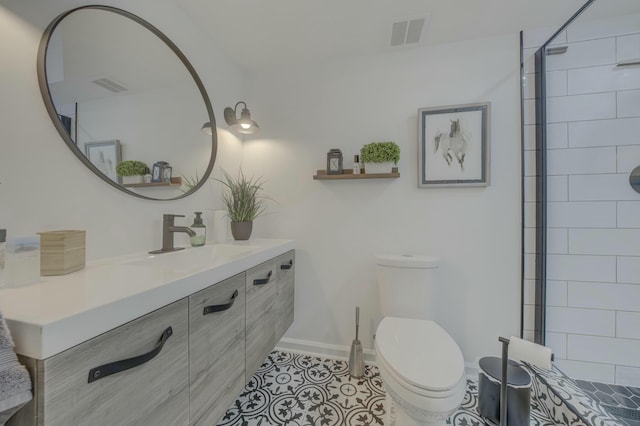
334 162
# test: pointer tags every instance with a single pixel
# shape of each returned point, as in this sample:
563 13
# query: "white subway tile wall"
627 376
583 214
581 321
629 100
593 296
628 158
557 242
628 270
604 373
628 325
557 188
556 293
557 136
593 236
616 132
605 350
628 48
575 161
558 341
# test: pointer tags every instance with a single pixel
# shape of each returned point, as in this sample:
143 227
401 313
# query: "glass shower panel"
592 102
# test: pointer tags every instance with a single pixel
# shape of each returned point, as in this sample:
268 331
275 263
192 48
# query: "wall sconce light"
244 125
206 129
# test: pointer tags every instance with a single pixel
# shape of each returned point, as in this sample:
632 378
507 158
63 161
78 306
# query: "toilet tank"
407 285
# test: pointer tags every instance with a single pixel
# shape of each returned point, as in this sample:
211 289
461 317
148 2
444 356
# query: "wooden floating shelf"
348 174
175 181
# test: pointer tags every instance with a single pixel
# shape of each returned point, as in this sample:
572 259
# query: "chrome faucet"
168 229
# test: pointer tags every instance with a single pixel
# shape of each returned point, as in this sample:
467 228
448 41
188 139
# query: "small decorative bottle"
201 231
356 164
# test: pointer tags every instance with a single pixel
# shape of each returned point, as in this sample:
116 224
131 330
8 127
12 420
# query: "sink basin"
193 258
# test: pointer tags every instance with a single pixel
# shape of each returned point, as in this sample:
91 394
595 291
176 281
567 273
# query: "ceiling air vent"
110 85
407 32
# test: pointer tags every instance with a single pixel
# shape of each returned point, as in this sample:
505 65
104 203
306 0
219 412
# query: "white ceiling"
261 33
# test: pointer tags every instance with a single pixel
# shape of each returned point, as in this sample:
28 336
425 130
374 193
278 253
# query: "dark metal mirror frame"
46 95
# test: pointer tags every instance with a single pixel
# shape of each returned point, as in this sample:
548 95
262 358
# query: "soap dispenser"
201 231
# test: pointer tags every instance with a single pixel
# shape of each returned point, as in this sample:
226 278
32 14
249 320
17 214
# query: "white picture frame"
105 156
453 145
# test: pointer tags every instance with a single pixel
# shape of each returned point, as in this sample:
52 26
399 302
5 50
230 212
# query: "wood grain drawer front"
261 289
216 349
285 297
153 393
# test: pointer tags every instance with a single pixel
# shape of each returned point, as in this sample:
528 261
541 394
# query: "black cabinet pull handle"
126 364
219 308
287 265
262 281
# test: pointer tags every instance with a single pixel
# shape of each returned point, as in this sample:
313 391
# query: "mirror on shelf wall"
117 89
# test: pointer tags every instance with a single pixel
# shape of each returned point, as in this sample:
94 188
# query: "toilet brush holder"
356 359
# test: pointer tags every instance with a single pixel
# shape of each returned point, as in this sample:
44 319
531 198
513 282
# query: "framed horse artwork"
453 145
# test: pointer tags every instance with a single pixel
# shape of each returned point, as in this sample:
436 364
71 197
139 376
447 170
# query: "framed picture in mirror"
156 173
105 156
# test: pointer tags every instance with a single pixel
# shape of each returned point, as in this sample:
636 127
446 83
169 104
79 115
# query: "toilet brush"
356 361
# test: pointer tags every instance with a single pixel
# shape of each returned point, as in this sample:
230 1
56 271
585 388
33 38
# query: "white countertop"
60 312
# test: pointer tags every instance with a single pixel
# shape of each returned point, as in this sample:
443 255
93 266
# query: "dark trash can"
518 392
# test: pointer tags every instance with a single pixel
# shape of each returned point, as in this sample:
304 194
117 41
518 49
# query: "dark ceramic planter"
241 230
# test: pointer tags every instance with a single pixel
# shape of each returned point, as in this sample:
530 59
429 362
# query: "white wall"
339 225
593 291
303 111
43 186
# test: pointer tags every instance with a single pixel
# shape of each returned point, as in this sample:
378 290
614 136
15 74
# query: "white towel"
15 382
5 336
523 350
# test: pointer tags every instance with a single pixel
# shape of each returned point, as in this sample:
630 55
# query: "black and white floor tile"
301 390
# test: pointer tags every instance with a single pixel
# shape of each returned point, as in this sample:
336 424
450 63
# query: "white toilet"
421 366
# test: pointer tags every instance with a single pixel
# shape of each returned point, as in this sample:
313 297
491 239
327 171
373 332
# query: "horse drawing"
452 145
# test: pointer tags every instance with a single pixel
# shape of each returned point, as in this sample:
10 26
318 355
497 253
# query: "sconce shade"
243 125
206 129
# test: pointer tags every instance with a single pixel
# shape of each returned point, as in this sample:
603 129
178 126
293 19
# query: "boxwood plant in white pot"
380 157
243 202
131 171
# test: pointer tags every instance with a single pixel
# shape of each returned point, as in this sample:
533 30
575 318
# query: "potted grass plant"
380 157
132 171
243 202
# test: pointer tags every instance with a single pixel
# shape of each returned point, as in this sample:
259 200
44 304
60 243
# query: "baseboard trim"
325 350
307 347
471 370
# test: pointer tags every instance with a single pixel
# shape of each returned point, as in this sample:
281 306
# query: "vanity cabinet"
181 365
285 265
261 287
216 349
136 374
270 294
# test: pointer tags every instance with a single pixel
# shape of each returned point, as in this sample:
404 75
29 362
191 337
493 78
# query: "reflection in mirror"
118 90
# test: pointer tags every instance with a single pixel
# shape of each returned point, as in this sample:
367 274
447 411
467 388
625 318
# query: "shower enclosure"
581 237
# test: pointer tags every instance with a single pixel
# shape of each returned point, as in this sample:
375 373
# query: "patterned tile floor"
302 390
620 401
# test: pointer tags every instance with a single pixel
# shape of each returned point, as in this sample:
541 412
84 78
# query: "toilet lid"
420 352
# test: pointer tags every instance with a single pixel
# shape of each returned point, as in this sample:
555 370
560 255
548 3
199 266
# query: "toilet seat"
420 356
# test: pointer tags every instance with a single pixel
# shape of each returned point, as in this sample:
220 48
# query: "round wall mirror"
118 90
